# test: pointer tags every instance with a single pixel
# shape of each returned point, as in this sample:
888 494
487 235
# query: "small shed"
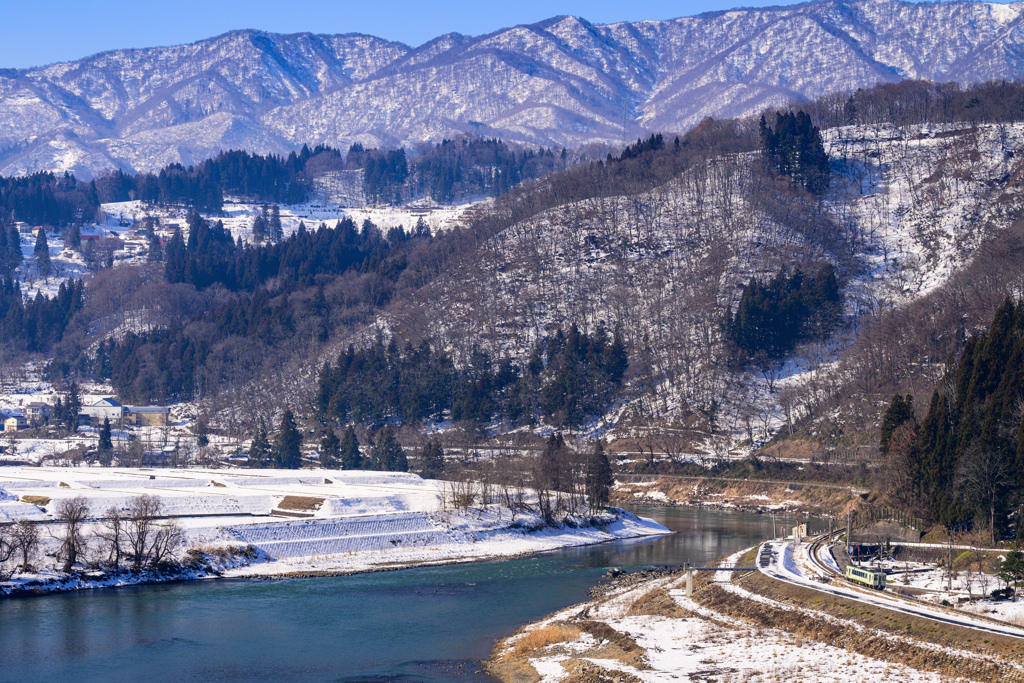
147 416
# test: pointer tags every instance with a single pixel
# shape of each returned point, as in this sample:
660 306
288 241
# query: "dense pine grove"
211 256
37 324
965 461
773 317
794 148
569 378
47 199
451 170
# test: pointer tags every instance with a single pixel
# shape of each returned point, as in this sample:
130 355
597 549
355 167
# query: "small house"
14 423
38 412
23 227
38 229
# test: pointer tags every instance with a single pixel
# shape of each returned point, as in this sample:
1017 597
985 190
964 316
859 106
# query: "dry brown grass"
657 603
41 501
542 637
301 503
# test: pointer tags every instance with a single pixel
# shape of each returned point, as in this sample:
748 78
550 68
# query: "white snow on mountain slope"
562 81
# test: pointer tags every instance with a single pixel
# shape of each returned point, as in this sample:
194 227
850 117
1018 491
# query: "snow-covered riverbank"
280 522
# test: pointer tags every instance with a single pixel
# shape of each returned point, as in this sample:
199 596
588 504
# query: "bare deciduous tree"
72 513
25 538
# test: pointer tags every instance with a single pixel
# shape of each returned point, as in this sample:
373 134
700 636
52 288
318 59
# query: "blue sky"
37 32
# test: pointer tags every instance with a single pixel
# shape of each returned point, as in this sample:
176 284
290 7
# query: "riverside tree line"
134 537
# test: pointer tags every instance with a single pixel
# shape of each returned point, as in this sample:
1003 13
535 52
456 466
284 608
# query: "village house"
38 412
15 422
104 408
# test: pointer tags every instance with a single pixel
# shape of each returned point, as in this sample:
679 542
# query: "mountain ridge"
559 82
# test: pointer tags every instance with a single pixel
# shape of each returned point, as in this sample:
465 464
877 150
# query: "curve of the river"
423 624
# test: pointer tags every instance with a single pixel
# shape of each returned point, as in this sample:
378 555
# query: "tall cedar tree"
351 458
330 450
259 449
432 460
900 410
599 477
106 444
288 444
388 455
42 253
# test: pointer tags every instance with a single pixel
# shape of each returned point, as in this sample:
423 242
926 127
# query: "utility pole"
949 569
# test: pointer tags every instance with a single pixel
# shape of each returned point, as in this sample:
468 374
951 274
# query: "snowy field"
307 521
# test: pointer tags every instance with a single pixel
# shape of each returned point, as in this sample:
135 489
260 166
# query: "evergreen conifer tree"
288 445
75 237
259 449
599 477
431 460
388 455
106 444
330 450
900 410
42 253
72 405
351 458
14 244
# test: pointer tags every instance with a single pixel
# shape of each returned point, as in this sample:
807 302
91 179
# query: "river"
425 624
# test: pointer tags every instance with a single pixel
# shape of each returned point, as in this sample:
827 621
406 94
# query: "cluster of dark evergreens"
794 149
38 323
10 250
450 170
773 317
965 461
652 144
270 178
47 199
212 256
569 378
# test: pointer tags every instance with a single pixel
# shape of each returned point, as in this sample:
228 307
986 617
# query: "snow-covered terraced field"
350 520
332 537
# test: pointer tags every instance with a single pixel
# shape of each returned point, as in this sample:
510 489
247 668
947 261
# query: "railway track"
909 605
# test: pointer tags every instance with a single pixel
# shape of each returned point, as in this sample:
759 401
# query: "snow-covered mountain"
562 81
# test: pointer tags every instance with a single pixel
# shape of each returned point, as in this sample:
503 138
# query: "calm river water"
427 624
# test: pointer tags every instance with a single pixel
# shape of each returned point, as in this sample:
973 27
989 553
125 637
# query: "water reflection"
427 624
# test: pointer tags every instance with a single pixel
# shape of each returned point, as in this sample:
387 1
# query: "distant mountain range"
559 82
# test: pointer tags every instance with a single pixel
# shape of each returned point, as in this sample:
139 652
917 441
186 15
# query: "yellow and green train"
866 577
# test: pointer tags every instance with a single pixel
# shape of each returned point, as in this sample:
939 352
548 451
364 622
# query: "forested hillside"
765 281
964 461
